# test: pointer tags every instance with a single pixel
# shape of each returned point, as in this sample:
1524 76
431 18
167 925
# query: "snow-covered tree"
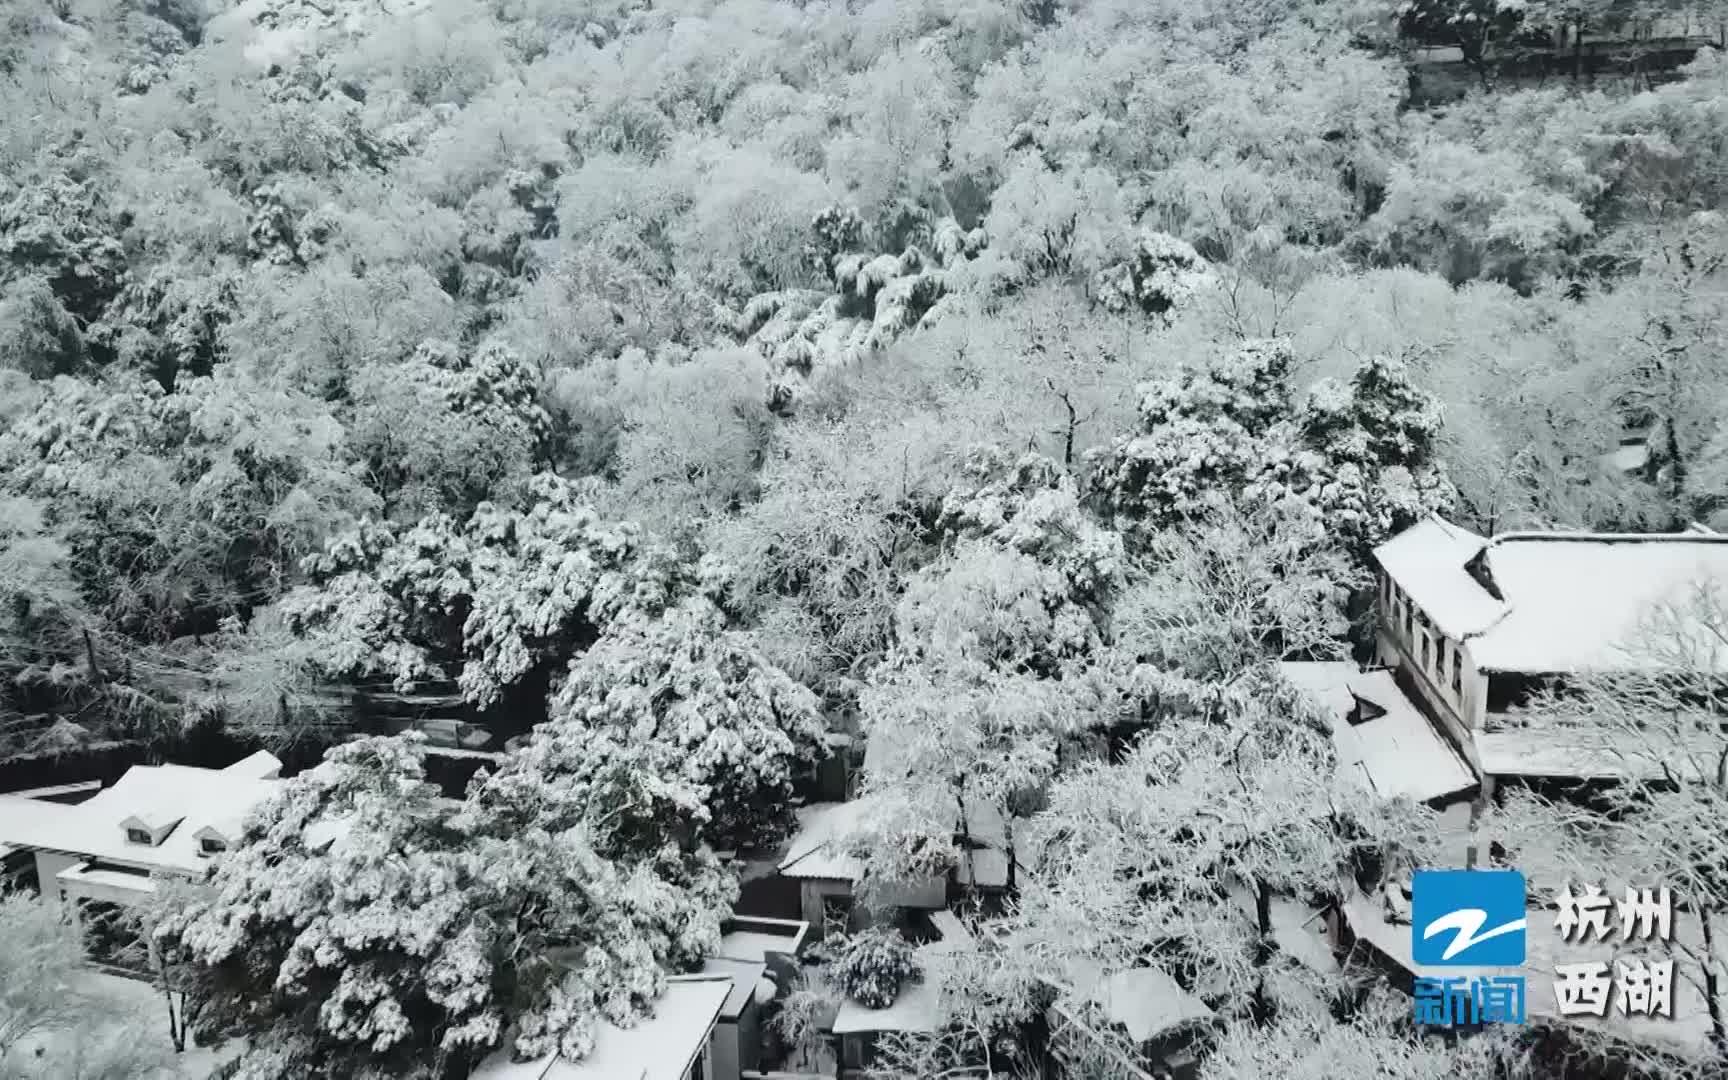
57 1018
685 701
449 428
1141 858
63 228
1224 593
180 507
504 598
146 521
684 436
1377 470
1378 1040
1202 436
365 923
991 669
1158 278
1228 431
1467 214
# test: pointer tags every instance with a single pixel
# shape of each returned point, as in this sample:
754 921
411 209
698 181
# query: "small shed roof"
1628 458
1396 753
746 975
987 868
815 850
953 932
759 945
1146 1001
918 1008
1297 928
659 1047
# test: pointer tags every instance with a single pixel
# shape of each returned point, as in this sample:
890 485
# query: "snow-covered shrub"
874 966
837 231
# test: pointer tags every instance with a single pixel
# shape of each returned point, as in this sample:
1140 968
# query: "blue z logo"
1467 918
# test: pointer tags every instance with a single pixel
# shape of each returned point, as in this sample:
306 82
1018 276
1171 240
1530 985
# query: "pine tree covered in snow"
873 965
368 924
1360 457
504 597
687 706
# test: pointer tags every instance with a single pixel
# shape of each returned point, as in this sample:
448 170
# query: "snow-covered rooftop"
197 799
1145 1001
917 1008
1577 603
1298 929
1427 562
1568 602
1576 752
815 850
1627 459
1396 753
746 976
659 1047
755 940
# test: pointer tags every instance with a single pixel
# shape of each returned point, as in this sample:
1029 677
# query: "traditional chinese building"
1476 627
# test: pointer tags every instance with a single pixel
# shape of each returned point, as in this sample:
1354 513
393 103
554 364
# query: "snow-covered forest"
565 431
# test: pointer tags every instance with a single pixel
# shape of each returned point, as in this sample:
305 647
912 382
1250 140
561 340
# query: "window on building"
137 836
1362 710
1458 674
1422 652
1409 622
209 845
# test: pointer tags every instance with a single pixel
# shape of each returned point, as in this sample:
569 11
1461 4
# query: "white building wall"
723 1053
1458 703
49 864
